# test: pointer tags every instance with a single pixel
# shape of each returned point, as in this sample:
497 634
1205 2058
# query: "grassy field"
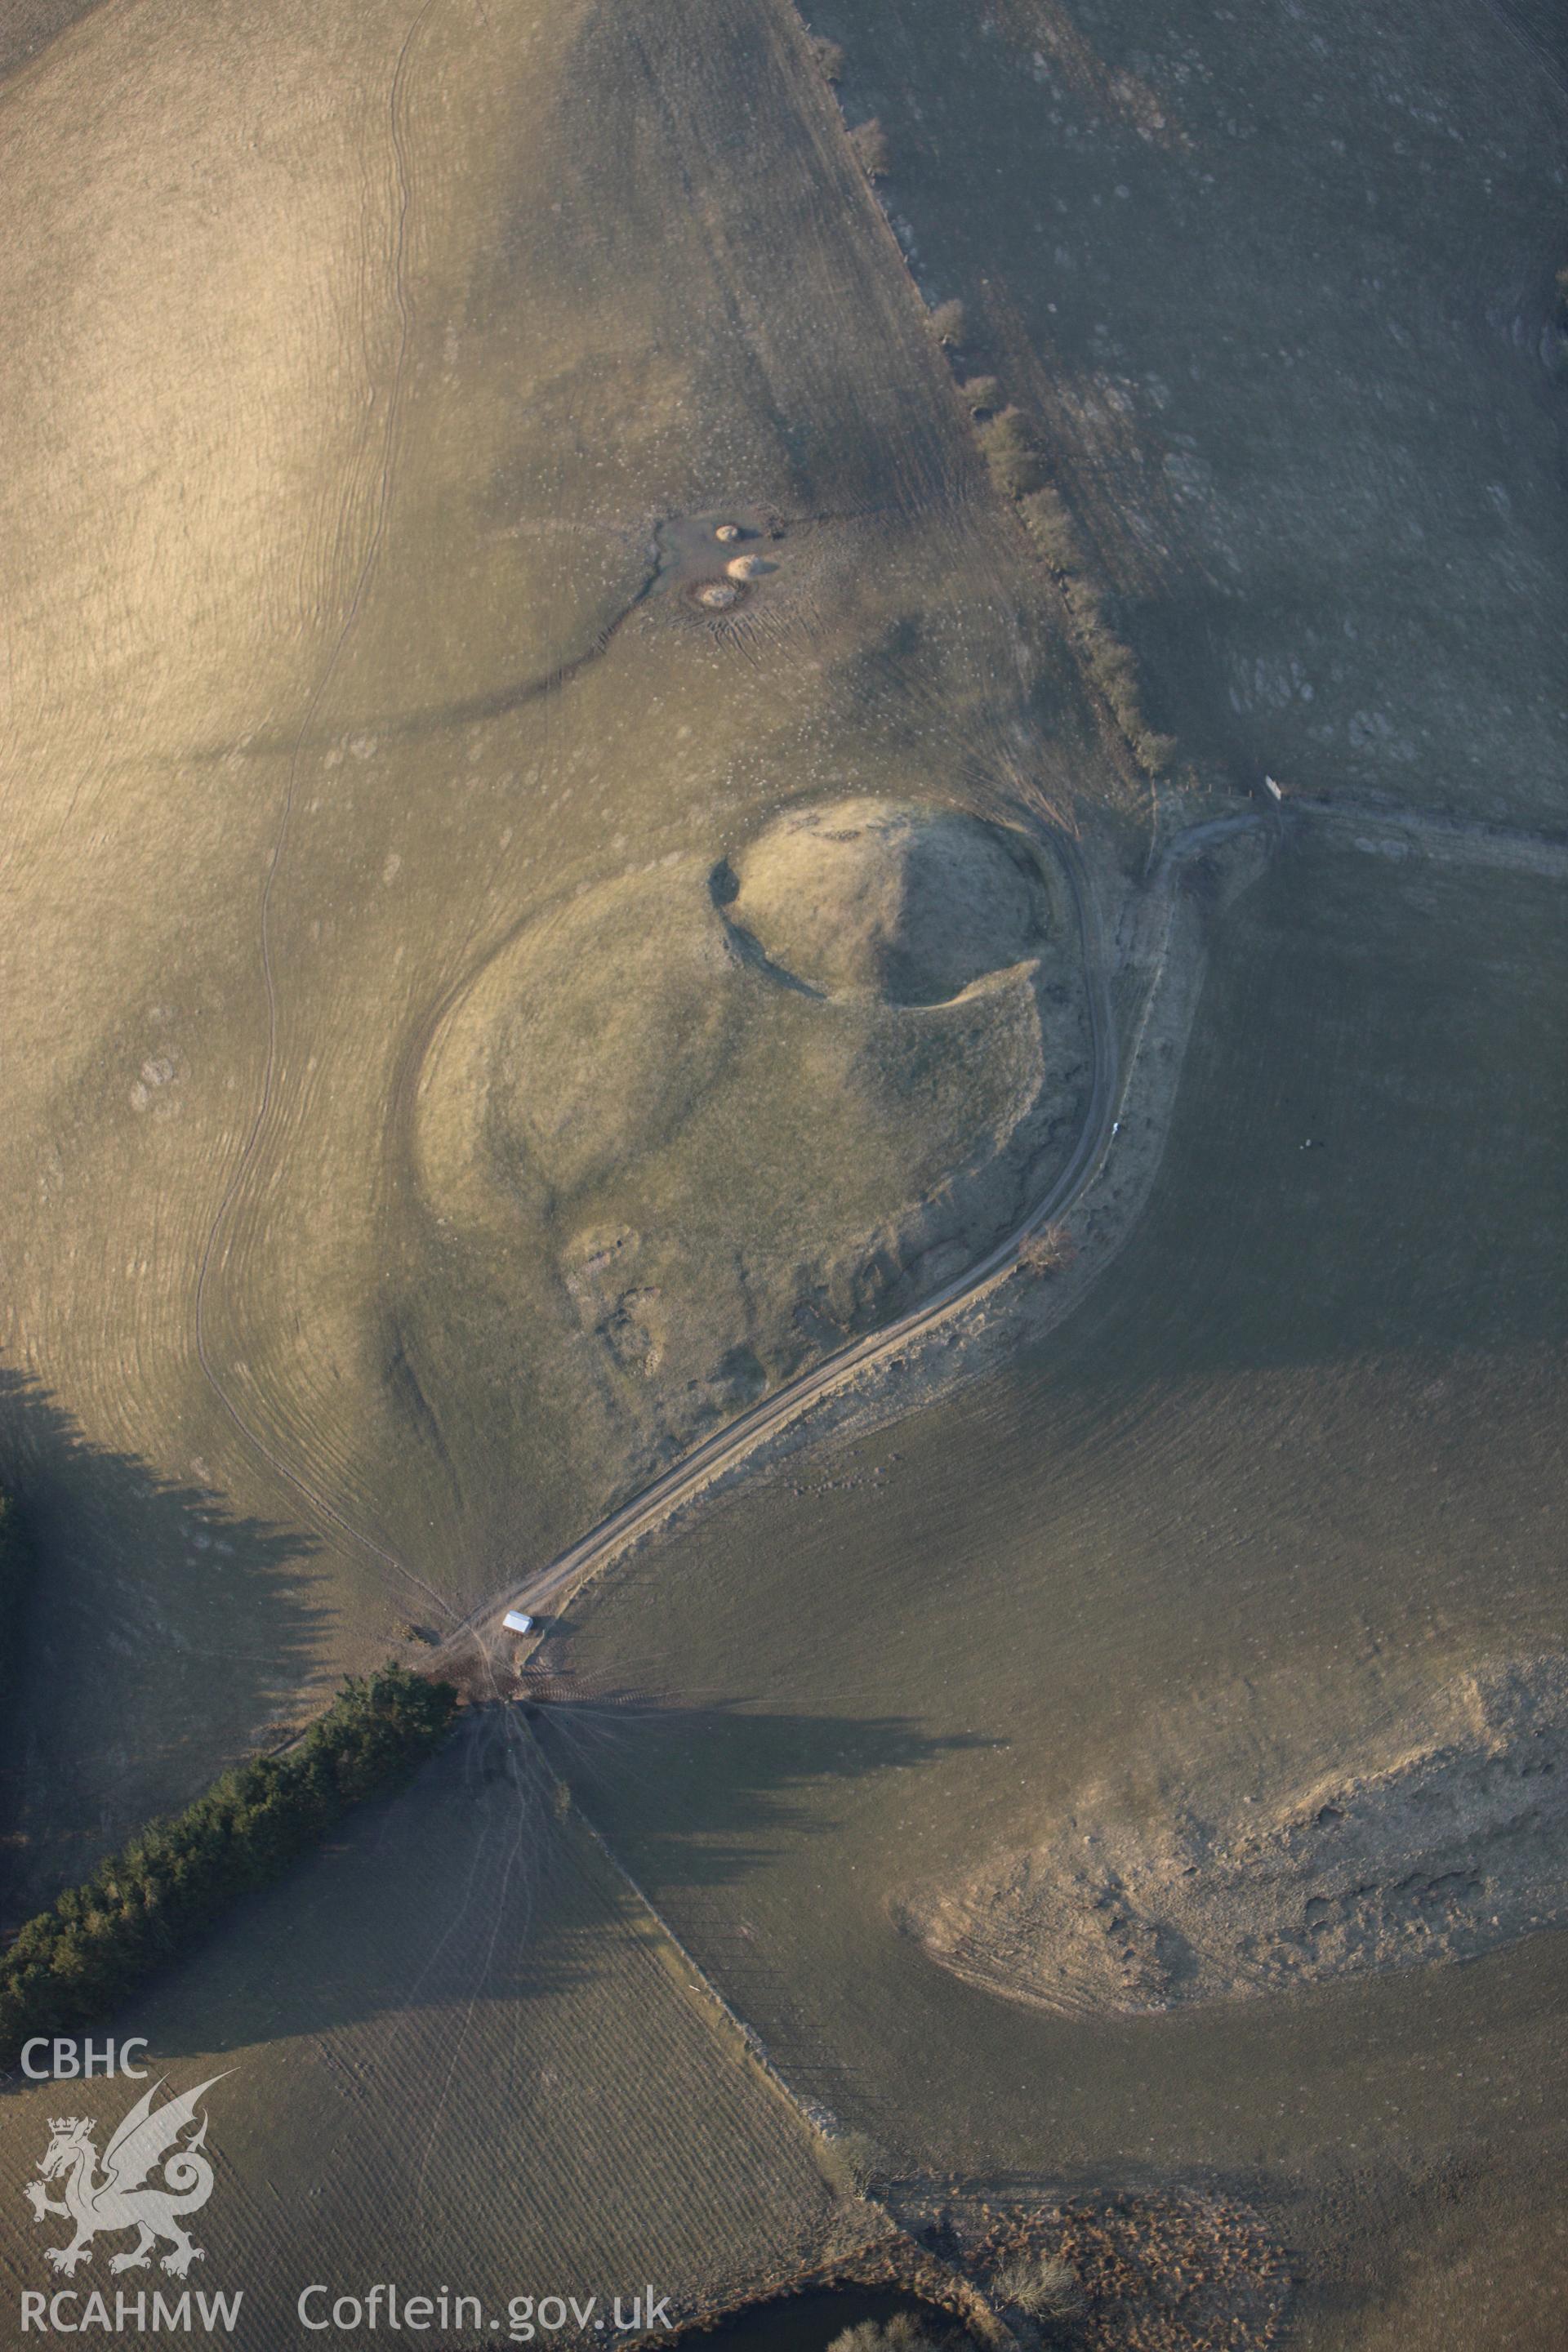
29 25
1292 1465
458 2051
147 1905
1279 292
387 375
358 478
385 641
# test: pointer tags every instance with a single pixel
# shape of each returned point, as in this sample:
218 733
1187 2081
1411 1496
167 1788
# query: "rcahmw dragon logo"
124 2194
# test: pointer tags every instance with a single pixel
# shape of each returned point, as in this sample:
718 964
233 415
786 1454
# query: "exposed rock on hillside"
1442 1840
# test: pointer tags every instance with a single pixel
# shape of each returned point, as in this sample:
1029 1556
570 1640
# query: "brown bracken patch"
1162 2271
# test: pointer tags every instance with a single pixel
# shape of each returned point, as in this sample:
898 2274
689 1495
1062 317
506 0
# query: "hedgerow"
1108 659
147 1904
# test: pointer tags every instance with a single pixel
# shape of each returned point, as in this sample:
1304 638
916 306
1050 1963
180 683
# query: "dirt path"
1383 829
729 1445
1389 832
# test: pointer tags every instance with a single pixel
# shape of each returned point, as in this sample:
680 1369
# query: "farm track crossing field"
355 648
450 1076
1290 1471
274 1400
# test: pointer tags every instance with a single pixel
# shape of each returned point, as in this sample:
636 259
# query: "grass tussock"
1108 659
872 153
148 1903
1042 2286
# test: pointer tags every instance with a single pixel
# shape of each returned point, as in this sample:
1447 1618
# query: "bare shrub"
851 2161
1114 670
1050 527
1050 1249
1042 2286
1010 450
1111 664
829 58
902 2333
872 153
947 323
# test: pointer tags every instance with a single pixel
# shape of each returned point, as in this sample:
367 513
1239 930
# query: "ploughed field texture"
490 991
1278 287
1196 1806
439 2043
499 976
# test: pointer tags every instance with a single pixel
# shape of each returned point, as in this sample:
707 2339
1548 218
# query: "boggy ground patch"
745 1106
1442 1839
1172 2272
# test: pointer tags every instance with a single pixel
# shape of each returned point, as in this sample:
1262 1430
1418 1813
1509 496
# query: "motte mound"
1450 1842
875 898
718 1115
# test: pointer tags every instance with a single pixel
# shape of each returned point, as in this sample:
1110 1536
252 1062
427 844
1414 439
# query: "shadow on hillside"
428 1909
709 1789
471 1890
150 1637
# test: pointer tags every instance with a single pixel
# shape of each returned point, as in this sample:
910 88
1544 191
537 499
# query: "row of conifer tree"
71 1965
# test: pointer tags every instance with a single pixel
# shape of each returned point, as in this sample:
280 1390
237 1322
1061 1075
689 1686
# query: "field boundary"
1026 486
644 1513
1387 829
144 1905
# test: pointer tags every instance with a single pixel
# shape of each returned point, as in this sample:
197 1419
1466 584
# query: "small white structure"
517 1621
1274 790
